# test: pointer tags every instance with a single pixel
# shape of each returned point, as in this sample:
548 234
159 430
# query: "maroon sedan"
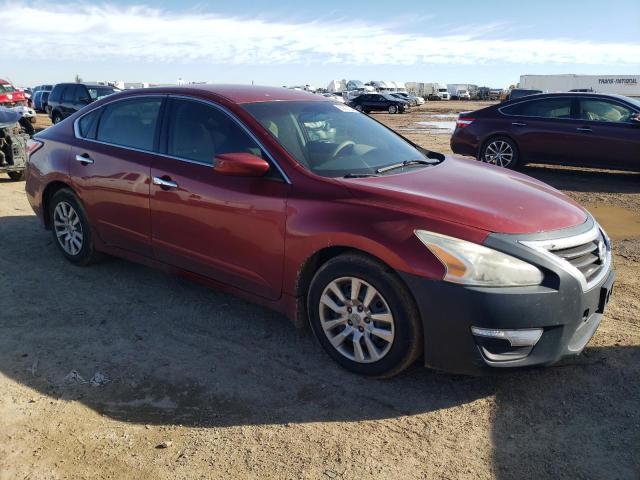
306 206
583 129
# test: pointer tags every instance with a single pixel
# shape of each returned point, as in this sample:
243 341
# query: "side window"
200 132
604 111
547 108
88 123
130 123
69 93
81 94
56 94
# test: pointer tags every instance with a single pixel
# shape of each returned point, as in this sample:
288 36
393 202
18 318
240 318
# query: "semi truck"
628 85
436 91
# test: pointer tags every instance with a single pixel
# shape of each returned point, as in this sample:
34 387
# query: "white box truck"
628 85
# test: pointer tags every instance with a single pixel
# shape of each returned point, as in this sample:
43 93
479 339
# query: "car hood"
473 194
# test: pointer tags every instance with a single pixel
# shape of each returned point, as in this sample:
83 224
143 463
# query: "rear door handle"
84 159
584 129
519 124
165 182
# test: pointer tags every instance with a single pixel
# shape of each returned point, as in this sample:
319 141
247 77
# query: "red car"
387 250
11 96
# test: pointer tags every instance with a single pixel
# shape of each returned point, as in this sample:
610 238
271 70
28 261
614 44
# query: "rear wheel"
500 151
364 316
16 176
71 229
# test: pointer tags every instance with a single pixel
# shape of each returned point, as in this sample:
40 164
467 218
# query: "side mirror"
240 165
85 100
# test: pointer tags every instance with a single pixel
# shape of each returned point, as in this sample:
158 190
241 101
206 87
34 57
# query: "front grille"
589 258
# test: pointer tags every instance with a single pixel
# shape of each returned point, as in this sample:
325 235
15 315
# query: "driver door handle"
519 124
584 129
165 182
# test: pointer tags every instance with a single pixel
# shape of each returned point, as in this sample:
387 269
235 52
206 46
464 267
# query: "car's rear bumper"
450 311
464 142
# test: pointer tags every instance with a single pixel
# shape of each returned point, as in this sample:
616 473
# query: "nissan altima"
389 252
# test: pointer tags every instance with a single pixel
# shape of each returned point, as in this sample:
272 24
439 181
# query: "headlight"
472 264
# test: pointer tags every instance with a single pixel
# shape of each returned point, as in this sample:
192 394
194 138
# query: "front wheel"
393 109
500 151
359 108
364 316
56 117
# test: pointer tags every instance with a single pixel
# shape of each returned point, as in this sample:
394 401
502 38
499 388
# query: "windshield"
100 92
333 140
5 87
442 90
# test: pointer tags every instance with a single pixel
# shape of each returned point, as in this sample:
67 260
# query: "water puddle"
619 223
438 126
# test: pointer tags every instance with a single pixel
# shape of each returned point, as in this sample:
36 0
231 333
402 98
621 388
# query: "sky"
281 42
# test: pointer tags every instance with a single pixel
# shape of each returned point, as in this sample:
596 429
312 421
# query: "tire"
359 108
500 151
16 176
391 312
84 253
392 109
56 117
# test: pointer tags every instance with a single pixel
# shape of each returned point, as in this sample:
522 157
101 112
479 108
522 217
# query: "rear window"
130 123
547 108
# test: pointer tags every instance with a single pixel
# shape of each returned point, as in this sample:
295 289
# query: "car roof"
240 93
564 94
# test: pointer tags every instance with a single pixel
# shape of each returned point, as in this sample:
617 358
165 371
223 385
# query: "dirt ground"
99 366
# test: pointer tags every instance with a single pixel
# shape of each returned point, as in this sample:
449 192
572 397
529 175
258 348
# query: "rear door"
544 129
111 163
228 228
609 138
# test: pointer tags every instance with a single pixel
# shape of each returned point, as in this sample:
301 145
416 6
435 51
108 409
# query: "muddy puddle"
619 223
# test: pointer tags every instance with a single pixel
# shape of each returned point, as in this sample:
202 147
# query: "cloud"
146 34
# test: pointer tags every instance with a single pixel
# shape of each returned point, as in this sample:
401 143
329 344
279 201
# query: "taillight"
33 146
464 122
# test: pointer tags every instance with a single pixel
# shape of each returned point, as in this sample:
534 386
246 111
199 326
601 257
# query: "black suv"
67 98
378 102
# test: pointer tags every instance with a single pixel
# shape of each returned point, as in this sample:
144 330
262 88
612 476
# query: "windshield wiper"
406 163
360 175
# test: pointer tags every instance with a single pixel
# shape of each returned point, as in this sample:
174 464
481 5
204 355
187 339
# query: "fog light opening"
504 345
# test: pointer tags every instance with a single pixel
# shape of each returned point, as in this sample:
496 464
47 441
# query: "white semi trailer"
628 85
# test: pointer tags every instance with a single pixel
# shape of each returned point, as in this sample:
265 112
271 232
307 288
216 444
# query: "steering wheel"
342 146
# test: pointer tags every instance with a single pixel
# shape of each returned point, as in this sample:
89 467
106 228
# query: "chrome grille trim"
573 245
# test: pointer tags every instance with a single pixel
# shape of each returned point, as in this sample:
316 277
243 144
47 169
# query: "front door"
230 229
609 138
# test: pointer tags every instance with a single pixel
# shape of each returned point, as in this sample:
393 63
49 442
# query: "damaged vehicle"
11 97
15 132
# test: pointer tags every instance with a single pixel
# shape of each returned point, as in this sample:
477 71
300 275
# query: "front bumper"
567 315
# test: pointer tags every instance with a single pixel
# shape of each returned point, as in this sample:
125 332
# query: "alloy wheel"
356 320
499 153
66 223
393 109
